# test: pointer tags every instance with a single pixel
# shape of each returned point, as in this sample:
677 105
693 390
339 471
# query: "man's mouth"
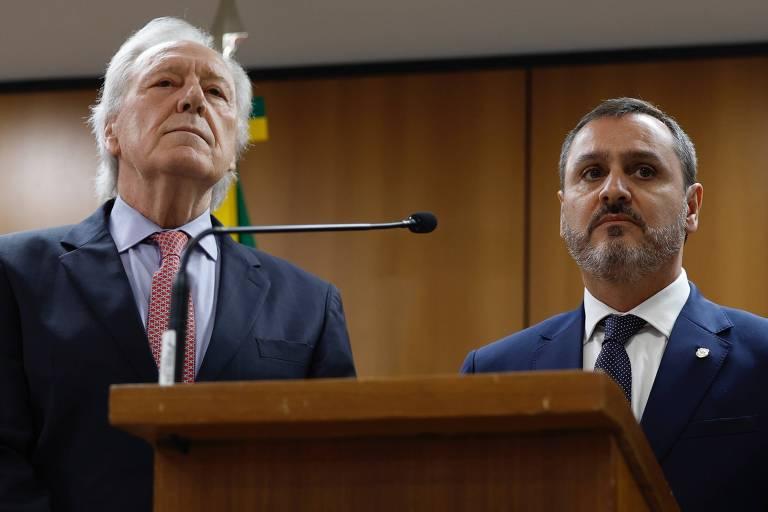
193 131
614 218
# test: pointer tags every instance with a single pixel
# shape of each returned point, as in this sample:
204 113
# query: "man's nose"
615 188
192 100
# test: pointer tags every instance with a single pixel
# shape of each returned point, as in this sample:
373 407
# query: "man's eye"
164 83
592 174
646 172
215 91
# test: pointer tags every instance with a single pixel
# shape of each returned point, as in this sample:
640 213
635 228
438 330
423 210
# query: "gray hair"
619 107
116 83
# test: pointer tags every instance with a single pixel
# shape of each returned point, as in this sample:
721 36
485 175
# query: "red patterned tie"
171 243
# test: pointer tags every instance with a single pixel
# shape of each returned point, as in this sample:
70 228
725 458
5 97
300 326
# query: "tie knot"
620 328
170 243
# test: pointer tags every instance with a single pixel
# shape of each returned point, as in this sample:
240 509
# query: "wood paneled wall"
47 159
378 148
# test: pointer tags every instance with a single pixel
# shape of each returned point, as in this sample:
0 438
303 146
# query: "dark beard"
615 260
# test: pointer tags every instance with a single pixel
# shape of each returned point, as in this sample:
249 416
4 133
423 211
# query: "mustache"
618 208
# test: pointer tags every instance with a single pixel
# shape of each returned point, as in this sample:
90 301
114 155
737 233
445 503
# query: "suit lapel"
242 289
561 348
683 378
94 265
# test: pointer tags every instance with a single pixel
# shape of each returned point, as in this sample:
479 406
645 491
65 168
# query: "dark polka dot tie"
613 358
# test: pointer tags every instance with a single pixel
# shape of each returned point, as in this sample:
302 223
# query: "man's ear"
694 198
110 136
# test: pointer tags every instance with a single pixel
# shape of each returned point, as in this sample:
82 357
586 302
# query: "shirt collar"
128 227
660 311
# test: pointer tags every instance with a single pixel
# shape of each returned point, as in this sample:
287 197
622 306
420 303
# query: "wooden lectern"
548 441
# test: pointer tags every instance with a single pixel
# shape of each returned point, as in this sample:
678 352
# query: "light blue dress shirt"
141 258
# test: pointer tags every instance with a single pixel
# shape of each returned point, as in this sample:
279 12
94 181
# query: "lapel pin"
702 352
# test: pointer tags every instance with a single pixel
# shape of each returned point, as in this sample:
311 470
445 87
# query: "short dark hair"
619 107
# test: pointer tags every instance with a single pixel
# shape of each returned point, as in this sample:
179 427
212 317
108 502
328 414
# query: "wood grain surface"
495 440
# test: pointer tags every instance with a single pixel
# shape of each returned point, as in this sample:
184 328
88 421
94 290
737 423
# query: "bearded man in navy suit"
75 301
694 372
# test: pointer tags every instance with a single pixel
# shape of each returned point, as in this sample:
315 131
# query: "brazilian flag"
257 124
233 211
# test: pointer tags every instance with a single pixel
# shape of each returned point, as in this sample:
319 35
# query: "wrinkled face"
624 208
178 116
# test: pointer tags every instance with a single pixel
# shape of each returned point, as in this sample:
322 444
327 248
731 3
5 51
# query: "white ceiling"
50 39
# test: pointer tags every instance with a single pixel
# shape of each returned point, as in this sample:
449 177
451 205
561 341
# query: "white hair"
117 80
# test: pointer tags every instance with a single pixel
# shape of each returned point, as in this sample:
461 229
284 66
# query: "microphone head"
422 222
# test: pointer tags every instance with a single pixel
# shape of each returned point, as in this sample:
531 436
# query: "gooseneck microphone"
174 338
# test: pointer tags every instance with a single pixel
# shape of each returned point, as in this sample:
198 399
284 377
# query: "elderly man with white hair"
82 307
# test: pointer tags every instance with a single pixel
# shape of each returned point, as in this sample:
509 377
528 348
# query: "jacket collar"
242 290
560 344
683 378
93 263
94 266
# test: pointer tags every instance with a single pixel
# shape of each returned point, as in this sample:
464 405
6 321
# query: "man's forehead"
183 53
628 133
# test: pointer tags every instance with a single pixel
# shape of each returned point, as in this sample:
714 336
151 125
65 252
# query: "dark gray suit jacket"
69 329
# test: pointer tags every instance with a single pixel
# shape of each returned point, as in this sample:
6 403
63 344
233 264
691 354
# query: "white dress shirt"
141 258
645 348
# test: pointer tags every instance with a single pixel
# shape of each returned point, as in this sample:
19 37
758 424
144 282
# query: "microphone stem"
180 291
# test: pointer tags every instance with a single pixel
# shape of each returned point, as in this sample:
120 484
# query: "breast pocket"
722 426
295 352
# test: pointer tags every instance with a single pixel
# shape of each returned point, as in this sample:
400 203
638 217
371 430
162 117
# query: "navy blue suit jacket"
69 329
705 418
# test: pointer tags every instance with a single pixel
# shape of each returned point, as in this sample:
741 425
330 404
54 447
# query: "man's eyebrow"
639 154
627 156
591 156
171 65
210 74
